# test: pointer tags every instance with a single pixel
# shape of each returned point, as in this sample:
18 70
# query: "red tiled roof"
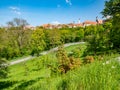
79 25
46 25
90 22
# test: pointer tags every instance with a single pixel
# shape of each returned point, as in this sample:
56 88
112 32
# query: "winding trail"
42 53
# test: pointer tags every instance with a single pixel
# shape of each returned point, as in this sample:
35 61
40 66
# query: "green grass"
68 49
72 47
36 75
76 47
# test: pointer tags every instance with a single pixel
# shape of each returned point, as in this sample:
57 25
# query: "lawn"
37 74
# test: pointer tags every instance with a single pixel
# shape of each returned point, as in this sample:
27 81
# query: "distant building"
72 25
47 26
79 25
88 23
51 26
60 26
29 27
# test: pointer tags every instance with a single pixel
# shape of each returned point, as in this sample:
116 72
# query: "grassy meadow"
94 65
37 74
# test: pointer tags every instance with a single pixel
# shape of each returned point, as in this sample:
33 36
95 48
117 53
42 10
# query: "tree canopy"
112 7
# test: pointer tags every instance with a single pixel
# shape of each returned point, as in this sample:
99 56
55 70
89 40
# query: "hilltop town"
69 25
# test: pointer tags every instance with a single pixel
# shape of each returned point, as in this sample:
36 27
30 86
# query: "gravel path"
43 53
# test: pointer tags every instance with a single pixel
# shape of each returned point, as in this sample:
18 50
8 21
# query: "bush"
88 59
66 63
3 68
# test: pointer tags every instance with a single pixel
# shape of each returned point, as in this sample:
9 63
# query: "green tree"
68 36
53 37
99 41
15 41
89 31
79 35
38 43
112 8
107 29
18 37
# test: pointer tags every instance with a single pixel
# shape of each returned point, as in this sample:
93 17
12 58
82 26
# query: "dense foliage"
3 68
112 9
17 41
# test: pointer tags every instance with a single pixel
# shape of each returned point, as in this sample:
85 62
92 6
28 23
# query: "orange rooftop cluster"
72 25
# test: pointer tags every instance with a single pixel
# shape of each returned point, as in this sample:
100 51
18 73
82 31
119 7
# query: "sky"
38 12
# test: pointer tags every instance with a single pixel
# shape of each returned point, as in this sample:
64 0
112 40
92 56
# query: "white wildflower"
113 67
107 62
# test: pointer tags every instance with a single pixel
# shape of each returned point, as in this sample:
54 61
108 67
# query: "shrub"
66 63
74 62
3 68
88 59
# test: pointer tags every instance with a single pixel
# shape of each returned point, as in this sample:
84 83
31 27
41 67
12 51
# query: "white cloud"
68 2
55 22
15 10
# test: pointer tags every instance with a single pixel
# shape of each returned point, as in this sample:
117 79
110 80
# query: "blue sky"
38 12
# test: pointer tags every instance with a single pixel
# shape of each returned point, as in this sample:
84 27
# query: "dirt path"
43 53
